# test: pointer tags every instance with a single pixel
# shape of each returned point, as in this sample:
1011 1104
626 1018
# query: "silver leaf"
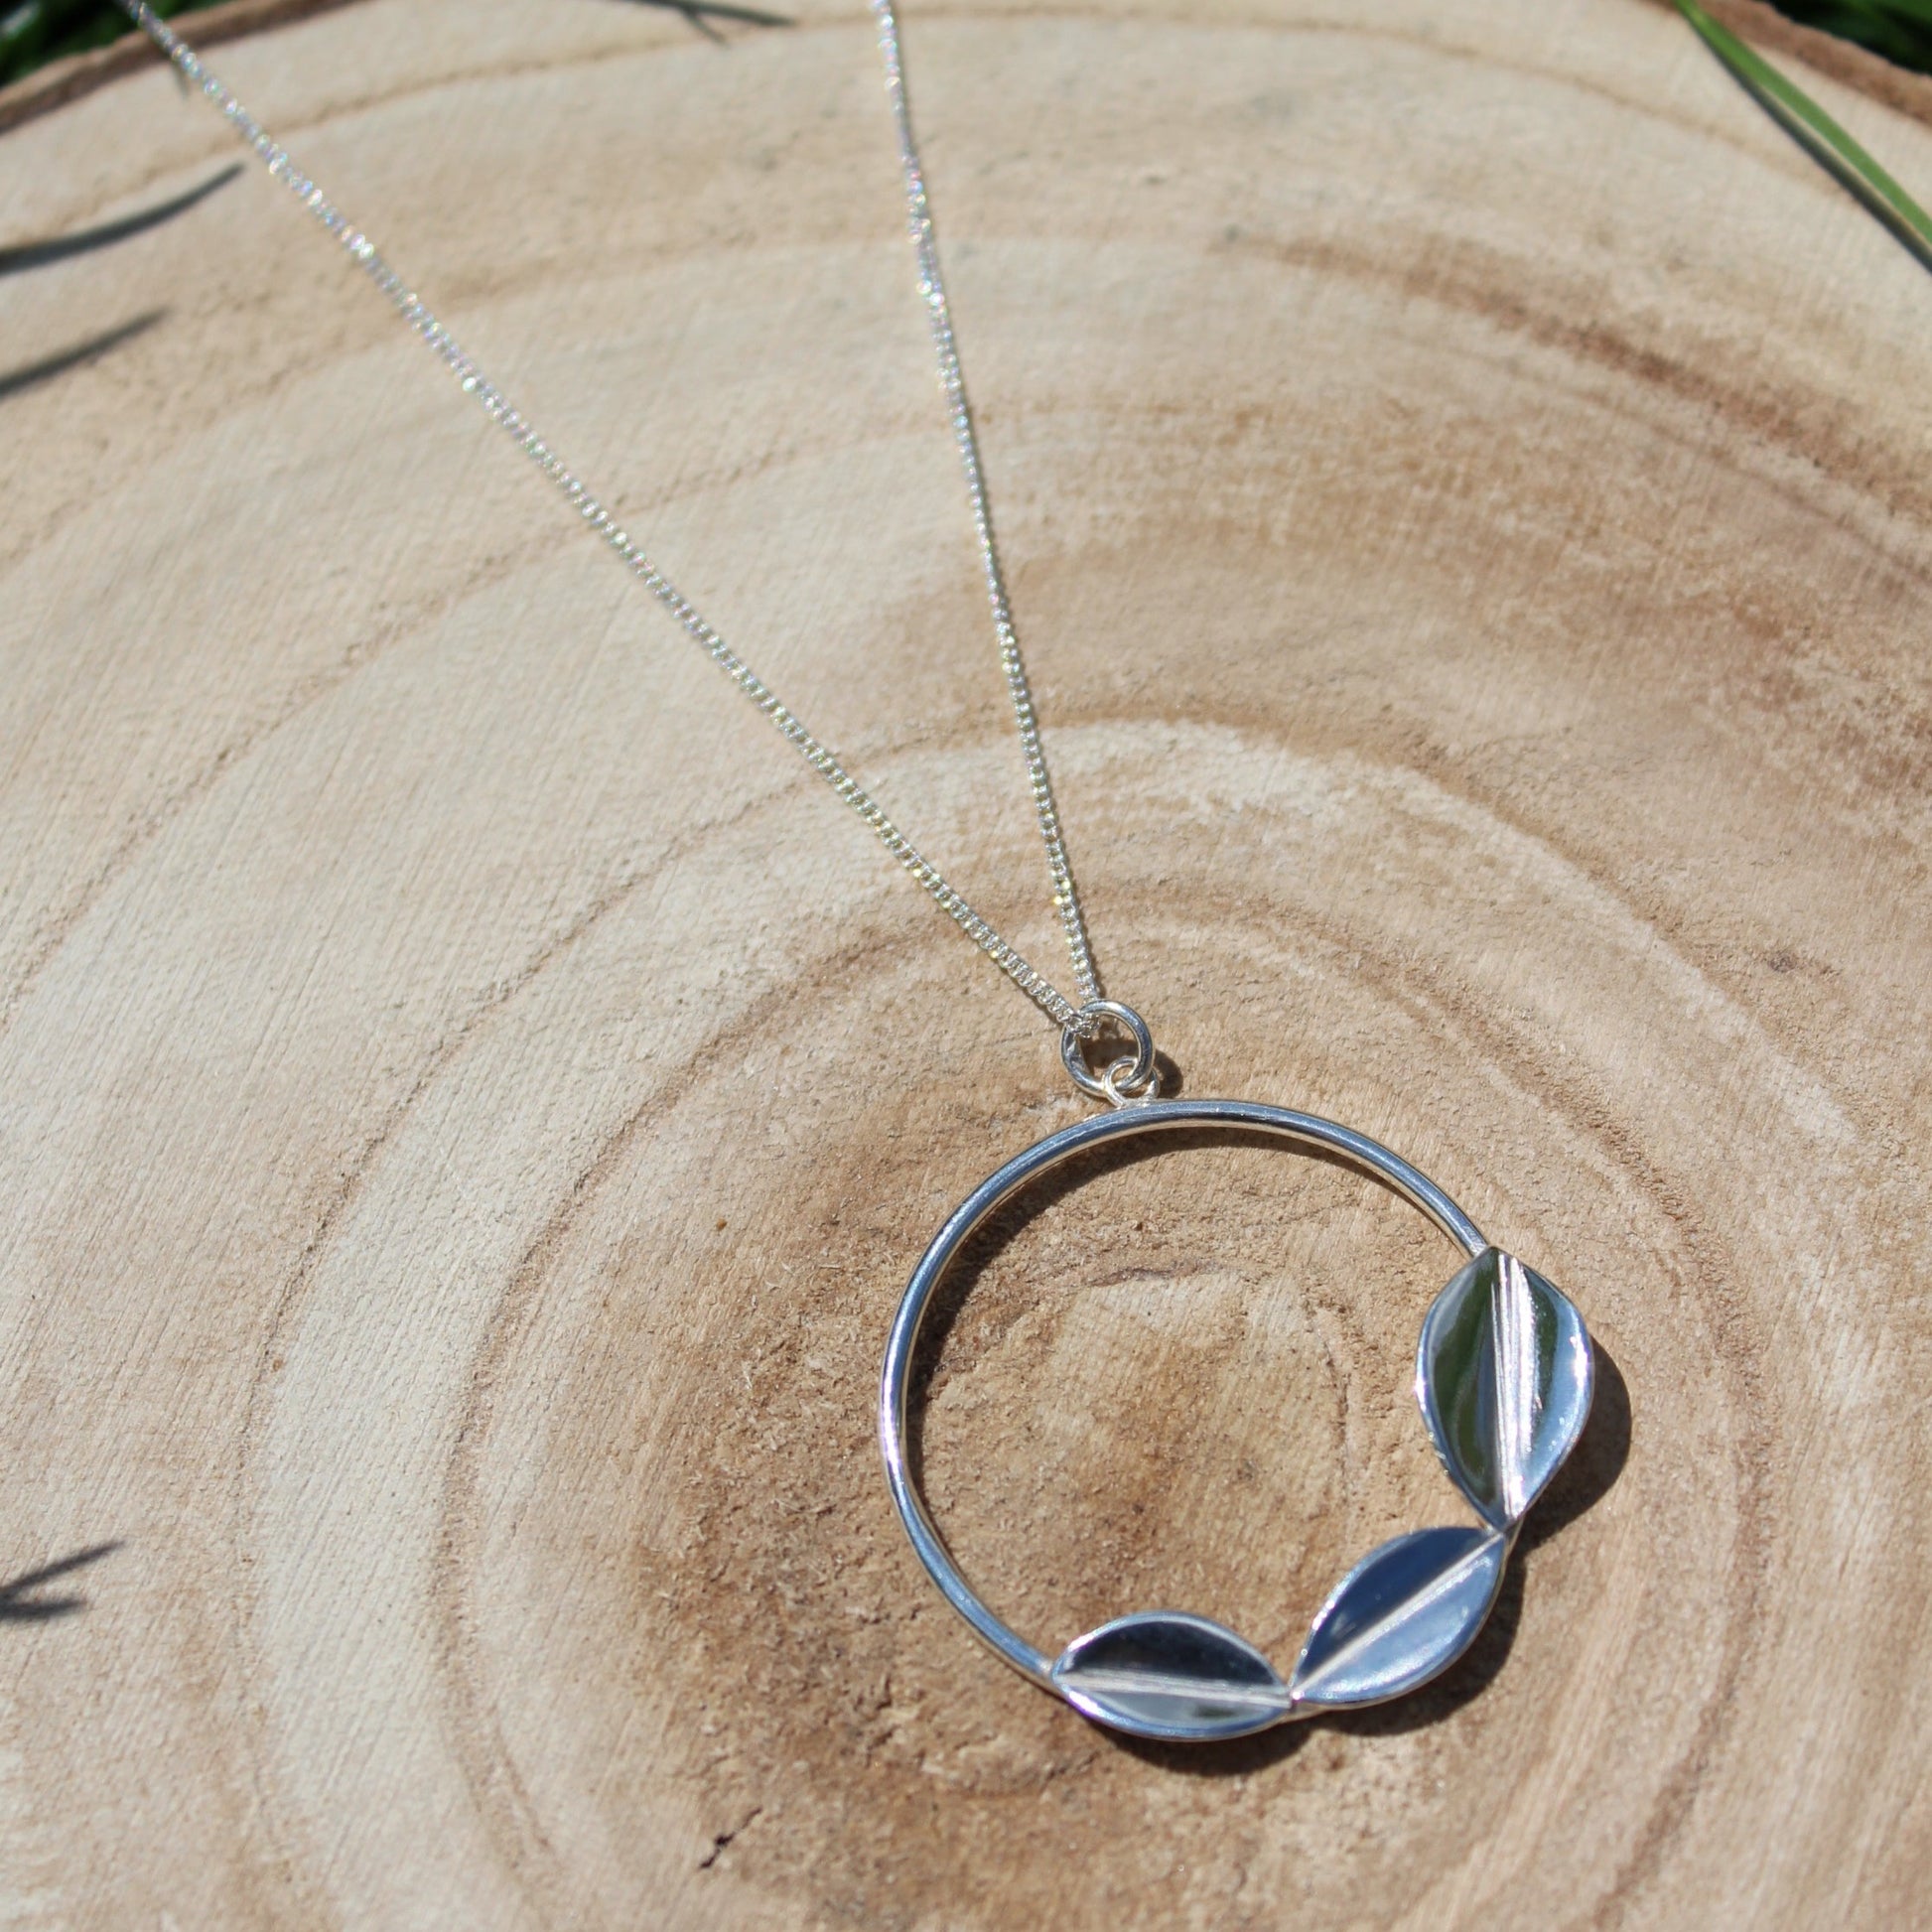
1164 1674
1503 1376
1405 1613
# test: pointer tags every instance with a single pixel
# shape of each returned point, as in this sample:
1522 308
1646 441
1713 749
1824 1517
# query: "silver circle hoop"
1411 1607
1127 1079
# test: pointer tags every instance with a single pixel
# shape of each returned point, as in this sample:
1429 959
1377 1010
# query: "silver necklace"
1503 1370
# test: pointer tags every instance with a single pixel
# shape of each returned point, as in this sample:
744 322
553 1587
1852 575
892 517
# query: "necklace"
1503 1372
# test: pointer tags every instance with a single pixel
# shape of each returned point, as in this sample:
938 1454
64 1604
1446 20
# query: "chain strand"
952 378
495 404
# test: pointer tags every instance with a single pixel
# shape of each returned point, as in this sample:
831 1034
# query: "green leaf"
1808 123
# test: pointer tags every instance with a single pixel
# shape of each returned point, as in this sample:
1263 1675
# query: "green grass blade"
1803 116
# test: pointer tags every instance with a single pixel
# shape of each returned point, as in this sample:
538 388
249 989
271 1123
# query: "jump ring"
1125 1080
1111 1085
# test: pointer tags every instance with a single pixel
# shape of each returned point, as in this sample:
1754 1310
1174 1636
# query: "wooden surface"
468 1101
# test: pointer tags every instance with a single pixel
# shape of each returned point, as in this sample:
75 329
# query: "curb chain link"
1080 1021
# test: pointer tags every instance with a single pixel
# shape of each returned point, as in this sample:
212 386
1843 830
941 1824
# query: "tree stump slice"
470 1100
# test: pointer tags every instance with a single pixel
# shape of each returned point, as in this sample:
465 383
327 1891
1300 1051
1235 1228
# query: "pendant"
1503 1374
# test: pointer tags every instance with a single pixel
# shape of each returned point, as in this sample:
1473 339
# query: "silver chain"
1081 1021
952 378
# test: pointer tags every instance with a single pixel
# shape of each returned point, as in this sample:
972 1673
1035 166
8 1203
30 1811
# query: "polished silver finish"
1401 1616
1503 1379
1125 1081
1503 1376
1164 1674
496 406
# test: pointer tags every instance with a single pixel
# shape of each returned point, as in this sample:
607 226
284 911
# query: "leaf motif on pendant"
1164 1674
1404 1614
1503 1376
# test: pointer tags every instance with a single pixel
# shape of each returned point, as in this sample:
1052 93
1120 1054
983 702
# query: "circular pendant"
1503 1376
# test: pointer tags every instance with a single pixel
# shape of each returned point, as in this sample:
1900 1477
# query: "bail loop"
1132 1078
